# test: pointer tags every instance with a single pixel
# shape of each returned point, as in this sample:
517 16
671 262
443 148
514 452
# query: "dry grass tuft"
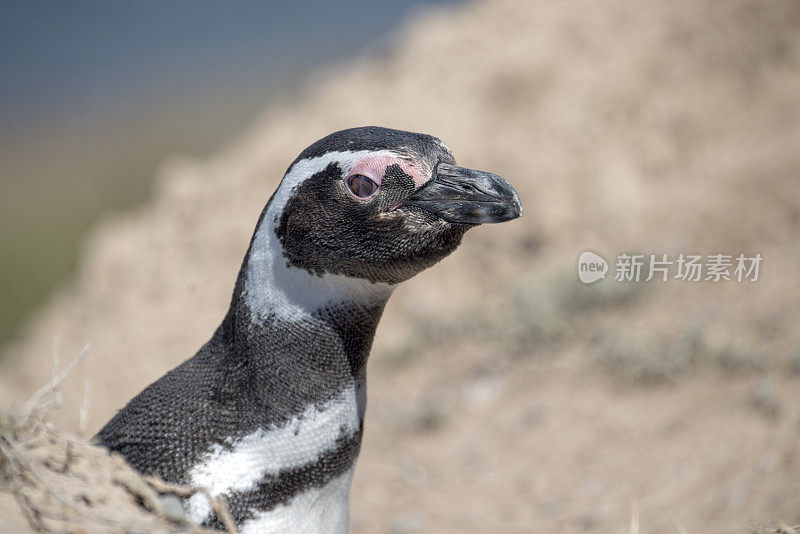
63 483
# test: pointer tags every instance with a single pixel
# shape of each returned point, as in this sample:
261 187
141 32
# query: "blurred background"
504 394
95 94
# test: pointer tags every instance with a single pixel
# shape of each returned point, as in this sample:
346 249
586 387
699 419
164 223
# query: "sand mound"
60 483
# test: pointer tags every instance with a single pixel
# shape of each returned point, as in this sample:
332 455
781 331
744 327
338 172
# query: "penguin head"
381 204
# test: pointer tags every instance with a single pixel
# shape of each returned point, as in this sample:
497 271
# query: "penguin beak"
466 196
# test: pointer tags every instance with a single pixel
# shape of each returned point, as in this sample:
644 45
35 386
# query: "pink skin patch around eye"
374 168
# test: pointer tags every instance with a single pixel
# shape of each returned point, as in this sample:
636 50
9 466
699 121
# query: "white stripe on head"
266 452
271 285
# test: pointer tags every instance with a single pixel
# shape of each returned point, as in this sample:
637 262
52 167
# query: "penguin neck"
273 299
271 287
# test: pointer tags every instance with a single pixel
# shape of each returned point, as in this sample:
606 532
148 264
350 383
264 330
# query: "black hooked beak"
466 196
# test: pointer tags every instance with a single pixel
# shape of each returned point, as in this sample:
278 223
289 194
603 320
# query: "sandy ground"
503 397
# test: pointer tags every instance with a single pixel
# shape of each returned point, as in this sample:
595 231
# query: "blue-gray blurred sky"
93 93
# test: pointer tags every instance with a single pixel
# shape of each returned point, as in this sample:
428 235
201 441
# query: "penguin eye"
361 186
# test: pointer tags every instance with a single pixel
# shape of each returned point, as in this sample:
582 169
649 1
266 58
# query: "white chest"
265 454
322 510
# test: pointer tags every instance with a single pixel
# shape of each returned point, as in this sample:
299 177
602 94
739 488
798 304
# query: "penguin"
269 413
